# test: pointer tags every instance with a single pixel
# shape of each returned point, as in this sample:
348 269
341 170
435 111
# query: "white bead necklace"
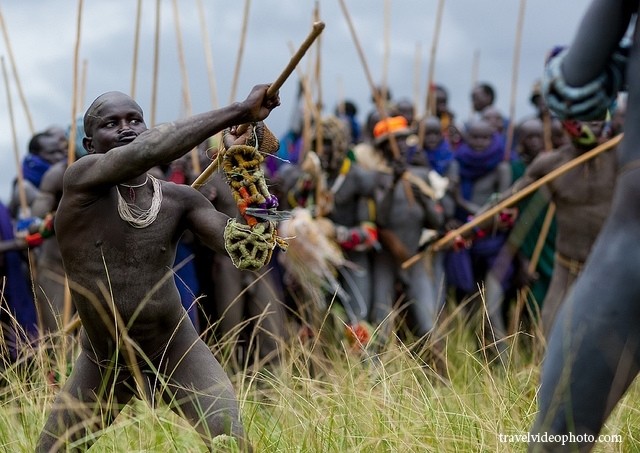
132 214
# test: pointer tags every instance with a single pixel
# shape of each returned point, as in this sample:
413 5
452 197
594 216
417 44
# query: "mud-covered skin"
593 351
120 276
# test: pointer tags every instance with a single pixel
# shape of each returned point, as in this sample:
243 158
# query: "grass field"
326 397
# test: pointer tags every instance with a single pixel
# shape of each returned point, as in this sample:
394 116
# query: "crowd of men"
374 195
355 201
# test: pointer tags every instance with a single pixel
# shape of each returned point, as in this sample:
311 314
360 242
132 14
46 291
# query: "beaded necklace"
132 214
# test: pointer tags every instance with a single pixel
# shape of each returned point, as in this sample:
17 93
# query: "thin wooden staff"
71 150
432 60
514 79
83 85
542 237
430 98
208 55
186 93
22 195
156 64
516 197
533 263
243 38
320 187
136 48
387 46
14 69
475 69
416 80
340 95
309 110
378 97
546 130
272 90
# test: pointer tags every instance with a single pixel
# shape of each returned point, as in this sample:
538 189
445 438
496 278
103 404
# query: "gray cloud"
43 40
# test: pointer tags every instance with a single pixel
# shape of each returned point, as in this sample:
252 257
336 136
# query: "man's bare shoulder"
75 173
52 179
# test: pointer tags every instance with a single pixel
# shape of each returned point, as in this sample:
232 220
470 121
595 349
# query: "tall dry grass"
326 396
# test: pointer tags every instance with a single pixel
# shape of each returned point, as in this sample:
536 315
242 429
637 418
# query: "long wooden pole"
73 133
542 237
83 85
208 55
272 90
22 195
430 101
243 38
156 64
136 48
308 110
186 92
430 94
516 197
71 151
387 48
514 80
14 70
378 97
475 70
416 80
318 81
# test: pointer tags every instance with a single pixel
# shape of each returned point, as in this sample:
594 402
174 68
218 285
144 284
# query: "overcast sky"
43 39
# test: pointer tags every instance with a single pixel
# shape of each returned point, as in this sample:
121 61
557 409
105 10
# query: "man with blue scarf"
45 149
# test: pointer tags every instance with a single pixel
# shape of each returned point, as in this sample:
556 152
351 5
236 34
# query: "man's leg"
79 409
198 389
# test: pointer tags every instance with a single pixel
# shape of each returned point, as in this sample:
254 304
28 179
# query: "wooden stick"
542 237
208 56
71 150
430 95
291 66
475 69
136 48
378 97
308 111
547 131
22 195
83 85
318 81
186 93
14 69
432 60
340 95
514 80
243 38
416 80
387 47
272 90
156 64
516 197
